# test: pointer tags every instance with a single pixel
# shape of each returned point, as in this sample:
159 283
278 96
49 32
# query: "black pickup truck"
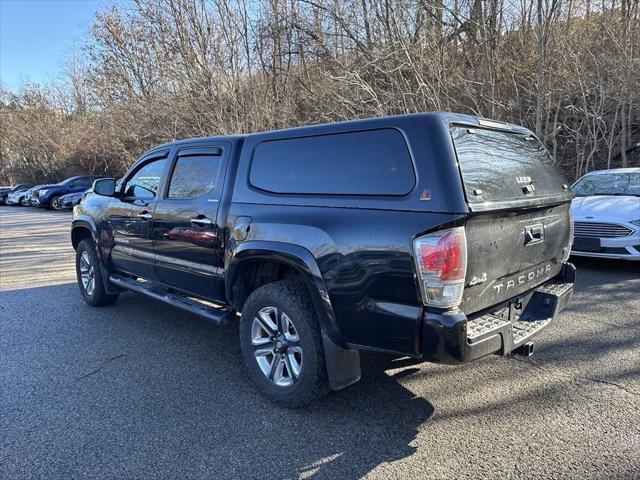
438 236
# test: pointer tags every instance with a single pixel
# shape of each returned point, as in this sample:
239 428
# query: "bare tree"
165 69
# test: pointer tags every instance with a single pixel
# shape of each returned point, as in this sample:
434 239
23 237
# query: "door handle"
202 221
145 216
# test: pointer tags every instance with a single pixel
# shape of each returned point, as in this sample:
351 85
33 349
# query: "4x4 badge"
477 280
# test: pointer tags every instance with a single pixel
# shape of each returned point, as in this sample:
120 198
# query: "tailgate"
518 231
511 253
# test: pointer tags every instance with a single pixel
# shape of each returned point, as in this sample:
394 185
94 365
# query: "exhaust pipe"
525 350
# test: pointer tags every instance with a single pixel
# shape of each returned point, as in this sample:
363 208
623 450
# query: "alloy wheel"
276 346
87 273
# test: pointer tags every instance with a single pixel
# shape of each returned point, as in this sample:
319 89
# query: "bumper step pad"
523 330
546 302
483 327
555 288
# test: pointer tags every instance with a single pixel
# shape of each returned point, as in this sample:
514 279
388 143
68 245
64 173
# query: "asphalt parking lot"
141 390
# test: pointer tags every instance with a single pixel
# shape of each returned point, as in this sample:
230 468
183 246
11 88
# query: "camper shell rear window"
501 165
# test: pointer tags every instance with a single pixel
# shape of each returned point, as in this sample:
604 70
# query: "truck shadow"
371 423
174 383
611 268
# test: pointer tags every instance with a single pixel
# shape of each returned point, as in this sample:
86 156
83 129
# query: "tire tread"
294 293
100 298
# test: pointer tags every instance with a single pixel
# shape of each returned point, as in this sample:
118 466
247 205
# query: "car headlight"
42 193
636 222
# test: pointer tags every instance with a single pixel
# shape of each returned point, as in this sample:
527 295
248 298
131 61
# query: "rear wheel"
281 344
90 276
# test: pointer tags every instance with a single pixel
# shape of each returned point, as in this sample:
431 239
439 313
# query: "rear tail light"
442 265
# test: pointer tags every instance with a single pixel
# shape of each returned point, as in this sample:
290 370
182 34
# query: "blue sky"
36 35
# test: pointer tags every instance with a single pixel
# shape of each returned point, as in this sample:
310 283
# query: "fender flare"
295 256
87 223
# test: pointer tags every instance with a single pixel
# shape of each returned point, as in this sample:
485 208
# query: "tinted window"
498 165
194 176
146 181
84 182
373 162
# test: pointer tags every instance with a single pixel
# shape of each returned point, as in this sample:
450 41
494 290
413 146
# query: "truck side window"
369 162
81 183
145 182
194 175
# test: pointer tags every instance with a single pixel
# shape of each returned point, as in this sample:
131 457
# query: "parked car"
438 236
48 195
4 191
14 192
69 200
606 213
27 196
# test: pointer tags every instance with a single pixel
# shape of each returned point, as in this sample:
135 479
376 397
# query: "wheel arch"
256 263
342 363
82 228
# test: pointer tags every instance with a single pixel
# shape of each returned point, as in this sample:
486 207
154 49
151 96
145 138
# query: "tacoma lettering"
532 275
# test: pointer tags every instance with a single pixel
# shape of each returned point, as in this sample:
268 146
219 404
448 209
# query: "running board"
219 316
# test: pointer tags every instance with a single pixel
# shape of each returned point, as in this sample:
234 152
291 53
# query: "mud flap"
343 364
109 288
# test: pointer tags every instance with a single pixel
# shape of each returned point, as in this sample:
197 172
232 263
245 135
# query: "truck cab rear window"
501 166
371 162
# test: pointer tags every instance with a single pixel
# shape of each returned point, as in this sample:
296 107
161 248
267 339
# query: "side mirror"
105 187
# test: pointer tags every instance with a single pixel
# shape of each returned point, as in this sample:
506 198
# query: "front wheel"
55 203
281 344
90 276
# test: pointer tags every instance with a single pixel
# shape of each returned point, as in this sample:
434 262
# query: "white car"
15 197
606 214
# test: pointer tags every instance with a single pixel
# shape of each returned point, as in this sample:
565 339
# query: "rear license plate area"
517 306
512 310
586 244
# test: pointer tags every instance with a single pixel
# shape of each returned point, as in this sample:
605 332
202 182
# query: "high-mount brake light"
484 122
441 260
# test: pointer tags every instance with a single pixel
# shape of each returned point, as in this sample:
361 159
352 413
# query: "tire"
272 364
53 204
89 276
